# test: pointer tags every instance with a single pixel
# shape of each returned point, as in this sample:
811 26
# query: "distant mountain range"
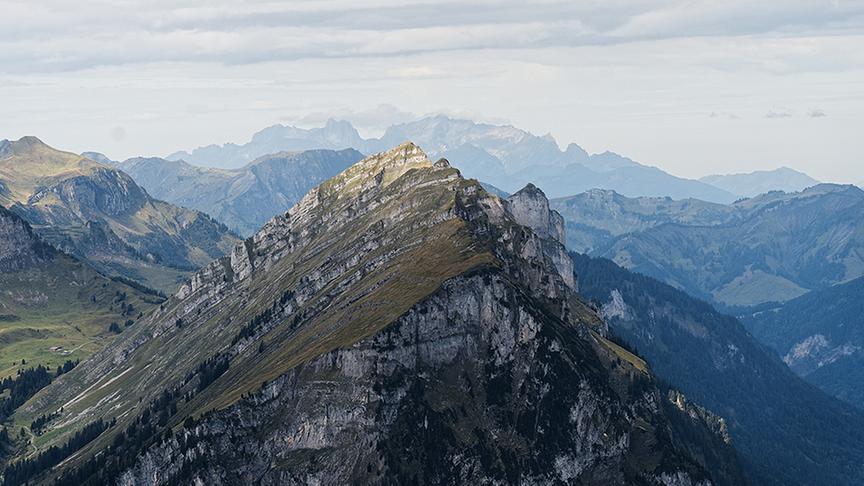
245 198
820 335
773 247
504 156
762 181
98 213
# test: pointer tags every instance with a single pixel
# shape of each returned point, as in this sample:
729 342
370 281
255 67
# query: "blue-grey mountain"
502 155
245 198
762 181
773 247
786 430
820 335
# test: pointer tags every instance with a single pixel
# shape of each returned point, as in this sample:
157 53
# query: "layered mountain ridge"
245 198
770 248
99 214
502 155
398 324
761 181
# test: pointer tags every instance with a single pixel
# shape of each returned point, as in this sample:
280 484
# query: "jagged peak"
442 163
530 190
379 169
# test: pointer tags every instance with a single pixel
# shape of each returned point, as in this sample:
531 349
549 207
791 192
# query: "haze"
694 87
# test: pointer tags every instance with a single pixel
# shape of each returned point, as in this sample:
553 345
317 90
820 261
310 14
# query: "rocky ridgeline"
19 246
408 327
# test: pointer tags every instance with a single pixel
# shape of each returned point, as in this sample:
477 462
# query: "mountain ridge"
502 155
773 247
244 198
388 290
761 181
100 214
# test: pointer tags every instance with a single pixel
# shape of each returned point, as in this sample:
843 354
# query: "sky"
692 86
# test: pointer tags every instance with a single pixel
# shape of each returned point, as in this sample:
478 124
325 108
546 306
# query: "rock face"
398 325
244 198
531 208
98 213
20 248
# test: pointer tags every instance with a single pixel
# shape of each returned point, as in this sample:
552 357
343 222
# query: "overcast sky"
694 87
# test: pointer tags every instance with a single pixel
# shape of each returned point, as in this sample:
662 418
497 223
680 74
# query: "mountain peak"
380 169
530 207
29 141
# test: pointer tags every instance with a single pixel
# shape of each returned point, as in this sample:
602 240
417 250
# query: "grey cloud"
55 35
816 113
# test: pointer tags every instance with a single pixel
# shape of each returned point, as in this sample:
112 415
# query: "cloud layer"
57 35
693 86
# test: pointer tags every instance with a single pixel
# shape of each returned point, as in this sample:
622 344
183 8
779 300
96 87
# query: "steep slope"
53 308
786 431
503 155
820 335
99 214
774 247
244 199
596 217
762 181
398 325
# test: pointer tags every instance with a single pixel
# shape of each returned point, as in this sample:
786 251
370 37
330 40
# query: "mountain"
399 325
99 157
335 135
820 335
762 181
98 213
597 217
54 308
773 247
786 431
502 155
246 198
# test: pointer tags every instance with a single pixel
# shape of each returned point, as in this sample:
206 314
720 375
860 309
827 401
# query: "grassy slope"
60 303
